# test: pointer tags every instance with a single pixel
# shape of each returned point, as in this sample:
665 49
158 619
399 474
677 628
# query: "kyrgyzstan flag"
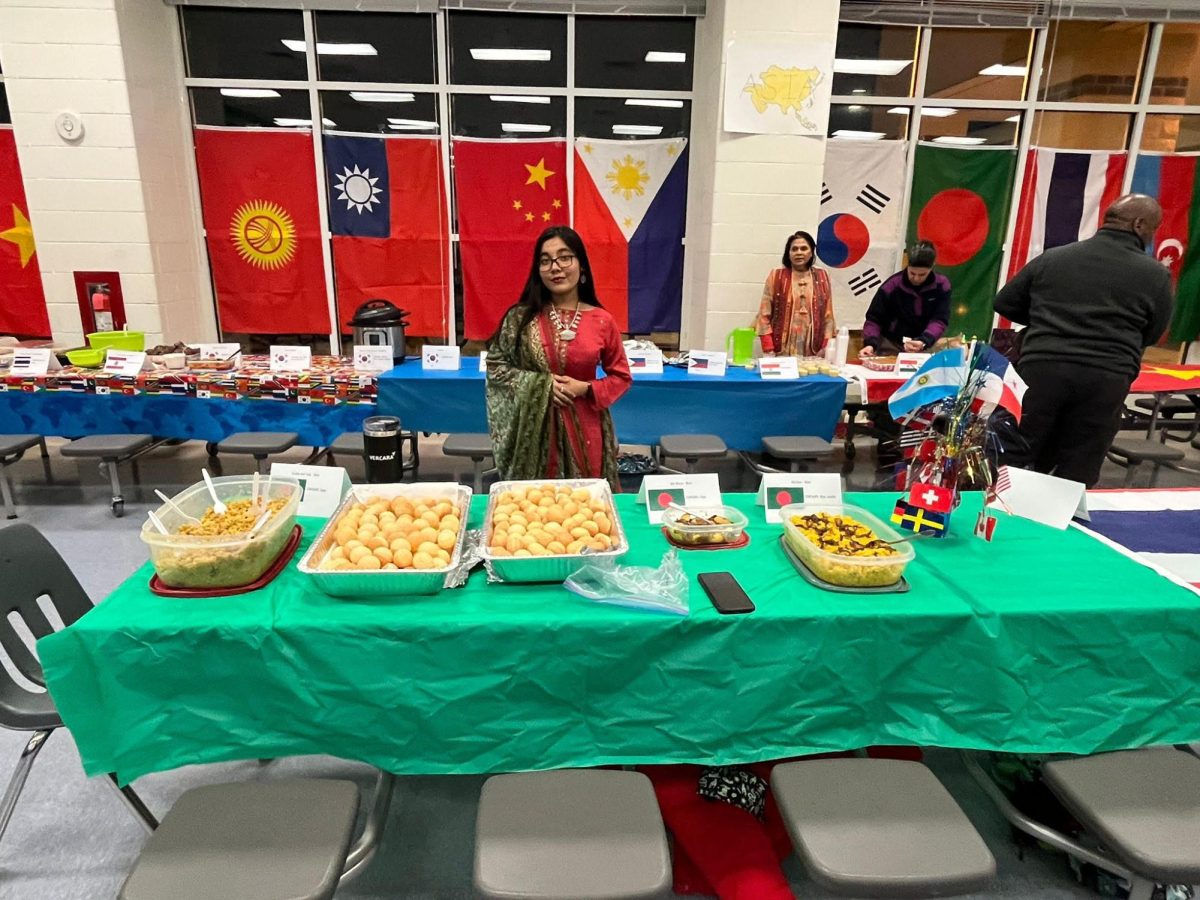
258 189
1174 181
22 302
387 212
508 192
630 205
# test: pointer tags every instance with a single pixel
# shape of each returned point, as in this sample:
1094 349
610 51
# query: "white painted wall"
747 193
122 198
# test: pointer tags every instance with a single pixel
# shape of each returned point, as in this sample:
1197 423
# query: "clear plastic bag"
664 589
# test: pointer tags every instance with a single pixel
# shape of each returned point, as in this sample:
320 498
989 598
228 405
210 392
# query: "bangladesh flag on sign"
960 202
778 498
664 497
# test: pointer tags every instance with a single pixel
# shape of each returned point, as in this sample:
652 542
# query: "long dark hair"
787 249
535 296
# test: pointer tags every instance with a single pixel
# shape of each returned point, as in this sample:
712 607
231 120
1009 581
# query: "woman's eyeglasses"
563 261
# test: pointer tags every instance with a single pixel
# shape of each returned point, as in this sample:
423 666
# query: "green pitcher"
740 346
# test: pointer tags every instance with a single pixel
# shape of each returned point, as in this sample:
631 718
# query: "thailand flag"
1159 527
1001 386
940 377
630 201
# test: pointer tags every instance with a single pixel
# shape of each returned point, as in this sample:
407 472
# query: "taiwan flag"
1173 180
387 213
960 201
258 190
508 192
22 302
630 203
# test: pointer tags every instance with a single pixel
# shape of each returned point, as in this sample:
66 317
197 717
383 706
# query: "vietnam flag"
1174 180
508 192
22 302
387 213
258 189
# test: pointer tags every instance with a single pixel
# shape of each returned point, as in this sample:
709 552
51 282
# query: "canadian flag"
932 497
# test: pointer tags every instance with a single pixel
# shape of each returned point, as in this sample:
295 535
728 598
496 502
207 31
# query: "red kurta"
597 342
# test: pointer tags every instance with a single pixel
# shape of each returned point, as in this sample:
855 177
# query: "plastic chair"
31 569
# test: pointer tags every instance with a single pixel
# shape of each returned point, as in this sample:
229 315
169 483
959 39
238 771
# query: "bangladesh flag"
960 201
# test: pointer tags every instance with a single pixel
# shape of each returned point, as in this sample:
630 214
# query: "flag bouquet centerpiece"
945 411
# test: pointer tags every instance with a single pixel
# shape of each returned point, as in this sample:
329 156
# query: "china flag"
259 193
508 193
22 302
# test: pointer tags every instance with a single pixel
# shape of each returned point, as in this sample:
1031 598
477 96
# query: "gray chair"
1143 806
880 828
795 449
476 447
12 448
110 449
1171 413
1132 452
691 448
581 833
30 568
259 444
279 840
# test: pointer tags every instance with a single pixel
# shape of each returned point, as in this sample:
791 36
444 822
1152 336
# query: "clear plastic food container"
675 521
842 569
220 561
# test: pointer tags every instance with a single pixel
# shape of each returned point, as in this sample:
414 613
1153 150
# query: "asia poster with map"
778 86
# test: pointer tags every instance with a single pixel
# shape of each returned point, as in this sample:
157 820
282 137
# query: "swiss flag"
932 497
22 302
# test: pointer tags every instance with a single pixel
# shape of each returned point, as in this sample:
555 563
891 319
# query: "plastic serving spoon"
259 524
158 523
175 506
218 506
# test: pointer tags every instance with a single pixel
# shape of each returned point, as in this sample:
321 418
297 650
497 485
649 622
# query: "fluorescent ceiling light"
411 124
936 112
870 66
248 92
303 123
524 127
998 69
1016 118
855 108
509 54
849 134
335 49
650 130
518 98
665 56
665 104
955 139
381 97
859 91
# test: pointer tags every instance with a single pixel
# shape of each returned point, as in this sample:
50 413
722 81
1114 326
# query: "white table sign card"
221 352
908 363
660 491
483 361
321 487
126 362
777 490
645 362
778 368
440 358
287 358
33 361
373 358
707 362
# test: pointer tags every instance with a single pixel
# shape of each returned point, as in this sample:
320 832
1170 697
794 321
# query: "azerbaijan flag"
1174 180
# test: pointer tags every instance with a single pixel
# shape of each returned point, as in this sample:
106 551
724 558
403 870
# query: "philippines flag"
940 377
1063 199
630 201
1172 180
1001 385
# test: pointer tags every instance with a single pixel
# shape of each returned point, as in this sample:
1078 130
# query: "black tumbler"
381 449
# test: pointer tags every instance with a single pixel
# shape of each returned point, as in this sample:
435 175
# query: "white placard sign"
777 490
778 368
287 358
660 491
777 83
321 487
645 362
908 363
440 358
1042 498
220 352
483 361
33 361
373 358
707 362
125 362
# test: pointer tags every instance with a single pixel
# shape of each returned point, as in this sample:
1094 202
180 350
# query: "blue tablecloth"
740 407
69 414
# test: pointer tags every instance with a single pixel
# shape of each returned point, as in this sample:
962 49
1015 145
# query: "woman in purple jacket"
910 311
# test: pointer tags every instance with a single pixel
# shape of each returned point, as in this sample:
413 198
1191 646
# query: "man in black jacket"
1091 308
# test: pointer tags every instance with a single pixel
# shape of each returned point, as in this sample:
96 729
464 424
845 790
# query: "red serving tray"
281 561
732 545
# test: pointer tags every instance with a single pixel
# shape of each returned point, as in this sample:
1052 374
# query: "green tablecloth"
1042 641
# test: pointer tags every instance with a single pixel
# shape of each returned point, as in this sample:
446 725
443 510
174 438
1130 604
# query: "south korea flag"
859 235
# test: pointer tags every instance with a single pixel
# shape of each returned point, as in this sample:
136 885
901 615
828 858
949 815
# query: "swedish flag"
921 521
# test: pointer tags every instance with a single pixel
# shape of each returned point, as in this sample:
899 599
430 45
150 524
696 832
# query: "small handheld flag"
917 520
932 497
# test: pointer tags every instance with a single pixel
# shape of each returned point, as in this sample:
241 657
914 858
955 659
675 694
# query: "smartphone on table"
725 593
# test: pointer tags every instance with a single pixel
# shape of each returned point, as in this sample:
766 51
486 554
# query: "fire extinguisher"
102 310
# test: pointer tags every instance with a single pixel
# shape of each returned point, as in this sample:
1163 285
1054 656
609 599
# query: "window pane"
243 43
614 117
479 115
356 46
216 106
978 63
878 60
1093 62
970 127
611 52
372 112
1171 134
5 115
868 123
1175 77
1081 131
508 48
